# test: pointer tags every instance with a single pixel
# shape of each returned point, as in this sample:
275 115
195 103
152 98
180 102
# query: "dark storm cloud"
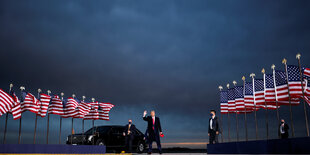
167 55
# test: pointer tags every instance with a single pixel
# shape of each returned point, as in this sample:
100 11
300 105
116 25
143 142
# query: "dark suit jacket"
215 124
132 130
157 126
285 129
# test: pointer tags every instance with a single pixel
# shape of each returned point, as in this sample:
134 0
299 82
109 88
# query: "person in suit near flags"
213 128
153 129
129 132
283 130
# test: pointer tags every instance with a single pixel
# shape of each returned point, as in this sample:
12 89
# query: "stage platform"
274 146
51 149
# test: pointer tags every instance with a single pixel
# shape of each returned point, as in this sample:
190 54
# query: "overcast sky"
170 56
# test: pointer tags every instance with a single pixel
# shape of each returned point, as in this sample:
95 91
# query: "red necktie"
153 123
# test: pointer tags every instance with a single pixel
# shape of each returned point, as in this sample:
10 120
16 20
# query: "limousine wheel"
99 142
140 148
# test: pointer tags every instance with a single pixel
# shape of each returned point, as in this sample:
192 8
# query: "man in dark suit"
154 130
283 130
129 132
213 128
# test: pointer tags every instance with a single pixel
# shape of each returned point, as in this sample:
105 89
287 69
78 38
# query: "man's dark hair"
213 111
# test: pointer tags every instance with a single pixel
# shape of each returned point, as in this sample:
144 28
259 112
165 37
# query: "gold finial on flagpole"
234 82
284 61
220 87
48 92
73 95
243 78
62 95
83 98
263 70
93 99
298 56
11 85
39 90
227 85
273 66
252 75
22 88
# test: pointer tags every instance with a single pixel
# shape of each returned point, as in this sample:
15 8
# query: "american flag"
83 109
56 107
104 109
30 103
270 95
307 85
6 102
239 98
294 81
93 113
43 104
16 110
70 108
282 89
224 102
248 96
259 93
231 100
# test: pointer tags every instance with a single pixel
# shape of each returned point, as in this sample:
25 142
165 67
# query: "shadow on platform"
274 146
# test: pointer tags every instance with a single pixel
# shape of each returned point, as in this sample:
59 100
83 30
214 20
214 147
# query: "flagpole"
252 75
289 98
303 92
245 111
36 120
73 96
237 123
20 120
93 140
6 119
83 121
60 118
48 120
266 110
228 118
221 129
275 91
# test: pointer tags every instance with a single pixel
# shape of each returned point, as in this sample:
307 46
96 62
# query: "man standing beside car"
129 132
154 130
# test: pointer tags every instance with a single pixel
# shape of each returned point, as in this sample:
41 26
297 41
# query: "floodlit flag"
223 102
93 113
248 96
104 109
282 89
83 109
307 85
43 104
270 95
259 93
30 103
294 81
231 100
239 100
56 107
70 108
16 110
6 102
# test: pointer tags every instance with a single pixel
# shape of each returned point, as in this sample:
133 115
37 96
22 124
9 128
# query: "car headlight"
90 137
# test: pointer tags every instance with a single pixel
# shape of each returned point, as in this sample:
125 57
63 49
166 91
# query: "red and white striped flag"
93 113
6 102
248 96
223 102
30 104
104 109
43 104
307 85
231 100
83 109
70 108
56 107
259 93
16 110
294 81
